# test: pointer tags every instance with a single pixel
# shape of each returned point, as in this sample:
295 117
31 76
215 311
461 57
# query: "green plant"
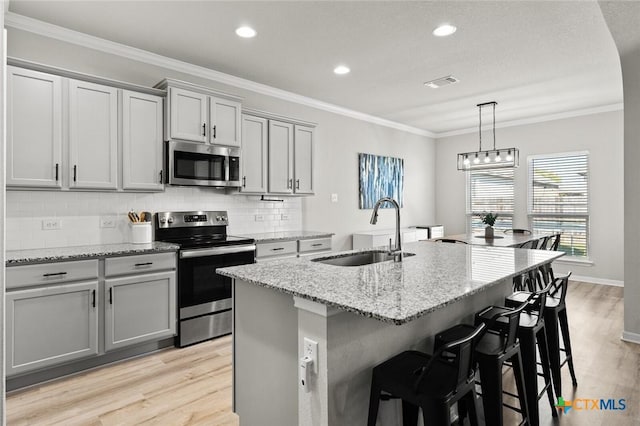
488 218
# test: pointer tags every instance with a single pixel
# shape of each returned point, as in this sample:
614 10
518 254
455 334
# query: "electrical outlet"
284 216
334 198
311 350
259 218
108 221
51 224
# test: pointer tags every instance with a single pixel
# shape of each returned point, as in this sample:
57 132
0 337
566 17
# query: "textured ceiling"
533 58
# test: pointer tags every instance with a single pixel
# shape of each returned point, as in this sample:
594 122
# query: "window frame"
531 214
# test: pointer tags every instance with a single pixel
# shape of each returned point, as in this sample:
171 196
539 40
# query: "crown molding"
539 119
35 26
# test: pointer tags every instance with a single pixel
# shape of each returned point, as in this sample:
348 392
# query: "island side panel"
356 344
265 355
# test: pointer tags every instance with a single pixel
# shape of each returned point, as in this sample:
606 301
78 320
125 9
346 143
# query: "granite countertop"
64 254
265 237
438 275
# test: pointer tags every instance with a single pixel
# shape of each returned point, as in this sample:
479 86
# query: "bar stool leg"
546 370
522 392
491 383
528 351
374 402
470 407
409 414
553 343
564 325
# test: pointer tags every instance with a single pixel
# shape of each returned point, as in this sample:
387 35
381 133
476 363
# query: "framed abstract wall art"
380 177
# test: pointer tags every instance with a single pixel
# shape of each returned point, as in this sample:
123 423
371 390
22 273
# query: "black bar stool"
531 333
555 314
433 383
497 346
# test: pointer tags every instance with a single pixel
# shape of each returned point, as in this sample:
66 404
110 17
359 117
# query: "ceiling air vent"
442 81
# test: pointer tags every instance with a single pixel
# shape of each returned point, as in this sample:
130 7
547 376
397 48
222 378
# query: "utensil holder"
141 233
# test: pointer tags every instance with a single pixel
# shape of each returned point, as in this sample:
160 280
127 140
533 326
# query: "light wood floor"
192 386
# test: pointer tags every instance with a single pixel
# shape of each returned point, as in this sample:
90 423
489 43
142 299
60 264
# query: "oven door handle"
186 254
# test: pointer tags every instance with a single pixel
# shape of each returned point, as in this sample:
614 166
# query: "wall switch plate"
311 350
108 221
259 218
334 198
51 224
284 216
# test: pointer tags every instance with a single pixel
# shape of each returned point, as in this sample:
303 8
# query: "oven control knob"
218 218
163 220
170 219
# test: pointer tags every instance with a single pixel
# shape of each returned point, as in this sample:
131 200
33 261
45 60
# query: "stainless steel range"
204 297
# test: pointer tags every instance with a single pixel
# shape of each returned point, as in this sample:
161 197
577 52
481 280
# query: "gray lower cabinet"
139 308
51 325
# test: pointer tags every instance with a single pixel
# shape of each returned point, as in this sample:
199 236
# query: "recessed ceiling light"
246 32
341 70
444 30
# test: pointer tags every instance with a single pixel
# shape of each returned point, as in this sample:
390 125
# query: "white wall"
339 139
600 134
2 214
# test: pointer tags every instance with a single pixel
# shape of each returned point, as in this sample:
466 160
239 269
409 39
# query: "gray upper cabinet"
187 115
93 135
139 308
303 159
199 114
254 154
141 141
50 325
280 157
34 129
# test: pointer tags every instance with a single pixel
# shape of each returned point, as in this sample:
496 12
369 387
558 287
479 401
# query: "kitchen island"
359 316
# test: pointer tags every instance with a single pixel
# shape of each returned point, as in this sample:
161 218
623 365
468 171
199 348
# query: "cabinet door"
141 141
188 115
254 154
50 325
34 128
93 135
303 163
139 308
224 122
280 157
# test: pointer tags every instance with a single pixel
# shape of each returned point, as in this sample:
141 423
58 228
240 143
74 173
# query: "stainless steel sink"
360 258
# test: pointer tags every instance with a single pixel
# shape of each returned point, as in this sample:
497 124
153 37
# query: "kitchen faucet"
397 252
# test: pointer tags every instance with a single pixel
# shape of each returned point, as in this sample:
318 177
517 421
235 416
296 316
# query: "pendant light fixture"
489 159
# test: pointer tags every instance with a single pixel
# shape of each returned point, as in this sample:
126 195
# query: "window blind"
491 191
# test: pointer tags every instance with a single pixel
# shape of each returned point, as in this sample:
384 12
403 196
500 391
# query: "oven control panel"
186 219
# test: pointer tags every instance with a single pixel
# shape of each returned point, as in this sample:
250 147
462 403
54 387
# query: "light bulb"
509 157
476 160
486 158
466 160
498 159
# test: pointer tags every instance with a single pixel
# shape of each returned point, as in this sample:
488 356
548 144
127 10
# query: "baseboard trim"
594 280
630 337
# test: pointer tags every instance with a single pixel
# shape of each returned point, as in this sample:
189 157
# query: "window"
559 199
490 191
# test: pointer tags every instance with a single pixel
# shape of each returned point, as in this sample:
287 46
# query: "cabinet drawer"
314 244
51 273
137 264
276 249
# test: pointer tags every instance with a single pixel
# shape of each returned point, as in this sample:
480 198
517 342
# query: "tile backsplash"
80 213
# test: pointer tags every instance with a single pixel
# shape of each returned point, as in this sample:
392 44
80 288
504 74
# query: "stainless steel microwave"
199 164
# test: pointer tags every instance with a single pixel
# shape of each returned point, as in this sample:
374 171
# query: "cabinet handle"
214 132
111 295
57 177
138 265
277 249
290 184
93 298
54 274
297 183
75 173
316 245
204 129
160 176
244 181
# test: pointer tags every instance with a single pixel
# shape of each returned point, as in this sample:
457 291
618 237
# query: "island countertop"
438 275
